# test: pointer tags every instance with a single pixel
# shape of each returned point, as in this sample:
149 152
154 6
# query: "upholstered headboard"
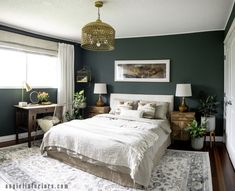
143 97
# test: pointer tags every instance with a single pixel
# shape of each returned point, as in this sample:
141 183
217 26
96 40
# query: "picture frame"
142 70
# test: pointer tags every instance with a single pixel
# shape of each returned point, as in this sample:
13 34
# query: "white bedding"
113 140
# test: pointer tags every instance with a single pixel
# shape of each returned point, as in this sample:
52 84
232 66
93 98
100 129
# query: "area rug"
24 168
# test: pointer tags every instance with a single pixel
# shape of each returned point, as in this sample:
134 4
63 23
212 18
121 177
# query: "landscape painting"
142 70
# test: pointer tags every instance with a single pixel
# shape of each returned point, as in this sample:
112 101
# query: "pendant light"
98 36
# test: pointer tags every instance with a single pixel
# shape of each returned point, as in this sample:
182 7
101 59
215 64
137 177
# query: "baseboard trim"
217 138
8 138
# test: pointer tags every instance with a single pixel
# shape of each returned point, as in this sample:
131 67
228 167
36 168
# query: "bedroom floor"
223 173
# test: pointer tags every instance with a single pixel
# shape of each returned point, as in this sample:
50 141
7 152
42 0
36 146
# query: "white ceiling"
131 18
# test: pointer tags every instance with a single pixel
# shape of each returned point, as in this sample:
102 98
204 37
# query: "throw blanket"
110 139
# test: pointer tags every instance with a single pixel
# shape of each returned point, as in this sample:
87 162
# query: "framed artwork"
142 71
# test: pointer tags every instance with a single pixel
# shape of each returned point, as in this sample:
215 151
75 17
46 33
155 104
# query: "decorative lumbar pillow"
122 105
148 109
131 113
161 110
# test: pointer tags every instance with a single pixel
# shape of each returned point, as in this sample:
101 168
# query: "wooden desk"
29 114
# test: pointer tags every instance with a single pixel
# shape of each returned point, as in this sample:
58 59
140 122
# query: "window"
40 71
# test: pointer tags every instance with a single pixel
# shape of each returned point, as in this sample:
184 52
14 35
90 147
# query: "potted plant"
43 97
79 100
208 109
79 103
197 132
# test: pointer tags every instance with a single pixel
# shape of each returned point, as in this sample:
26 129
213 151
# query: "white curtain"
66 76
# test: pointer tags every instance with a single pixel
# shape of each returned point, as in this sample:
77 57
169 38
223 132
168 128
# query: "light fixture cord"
98 13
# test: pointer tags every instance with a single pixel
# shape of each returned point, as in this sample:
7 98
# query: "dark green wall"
230 21
196 58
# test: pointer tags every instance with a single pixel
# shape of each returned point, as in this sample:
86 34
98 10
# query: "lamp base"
182 106
100 102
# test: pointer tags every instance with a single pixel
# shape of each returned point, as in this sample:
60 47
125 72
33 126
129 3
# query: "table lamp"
183 90
100 88
27 87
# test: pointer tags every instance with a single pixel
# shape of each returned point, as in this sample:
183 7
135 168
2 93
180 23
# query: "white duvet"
110 139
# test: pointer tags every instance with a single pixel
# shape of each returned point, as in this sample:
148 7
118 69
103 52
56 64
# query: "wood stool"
212 138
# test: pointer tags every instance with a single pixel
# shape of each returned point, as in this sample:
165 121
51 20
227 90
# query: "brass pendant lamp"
98 36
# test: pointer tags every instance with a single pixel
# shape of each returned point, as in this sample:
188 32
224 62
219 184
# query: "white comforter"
113 140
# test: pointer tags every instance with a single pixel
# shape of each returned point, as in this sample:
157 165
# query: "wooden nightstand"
94 110
179 121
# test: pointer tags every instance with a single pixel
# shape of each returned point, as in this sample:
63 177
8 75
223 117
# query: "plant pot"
82 105
197 143
210 123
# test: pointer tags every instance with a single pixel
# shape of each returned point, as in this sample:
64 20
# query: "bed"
121 148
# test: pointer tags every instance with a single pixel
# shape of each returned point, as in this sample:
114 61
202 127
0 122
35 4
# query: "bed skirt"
118 176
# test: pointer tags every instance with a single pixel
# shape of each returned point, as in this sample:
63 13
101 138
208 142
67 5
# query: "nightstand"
179 121
94 110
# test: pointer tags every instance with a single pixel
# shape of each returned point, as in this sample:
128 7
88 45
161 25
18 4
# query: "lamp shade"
27 87
183 90
100 88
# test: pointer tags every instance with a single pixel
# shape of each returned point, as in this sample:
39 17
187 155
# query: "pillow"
125 105
161 110
131 113
148 109
47 122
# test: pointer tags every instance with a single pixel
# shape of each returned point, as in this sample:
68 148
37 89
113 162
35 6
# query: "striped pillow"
148 109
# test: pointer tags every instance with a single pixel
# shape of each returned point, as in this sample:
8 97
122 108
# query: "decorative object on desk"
100 88
43 98
208 108
45 103
197 132
142 71
27 87
183 90
83 76
98 36
33 96
79 103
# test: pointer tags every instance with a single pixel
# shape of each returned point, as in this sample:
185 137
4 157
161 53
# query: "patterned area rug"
24 168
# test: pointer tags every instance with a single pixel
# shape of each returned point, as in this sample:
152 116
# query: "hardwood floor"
223 173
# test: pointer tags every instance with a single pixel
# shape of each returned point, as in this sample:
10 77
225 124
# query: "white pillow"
131 113
128 105
148 109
